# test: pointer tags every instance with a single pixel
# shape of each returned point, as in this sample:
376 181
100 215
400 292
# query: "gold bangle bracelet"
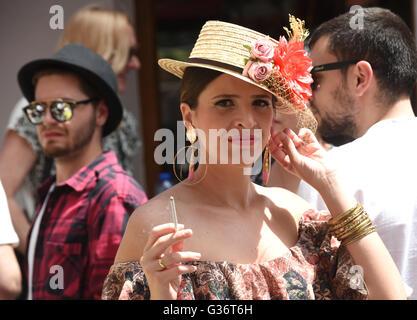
357 229
340 217
355 225
351 226
359 236
346 243
342 224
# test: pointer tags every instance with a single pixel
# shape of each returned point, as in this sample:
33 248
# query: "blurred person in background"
23 165
10 275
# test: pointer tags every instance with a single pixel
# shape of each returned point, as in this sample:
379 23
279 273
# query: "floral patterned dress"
316 267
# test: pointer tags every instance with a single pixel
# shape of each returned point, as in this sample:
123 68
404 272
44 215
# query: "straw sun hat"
279 67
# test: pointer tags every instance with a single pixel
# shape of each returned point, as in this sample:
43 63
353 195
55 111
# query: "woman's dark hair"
194 81
384 40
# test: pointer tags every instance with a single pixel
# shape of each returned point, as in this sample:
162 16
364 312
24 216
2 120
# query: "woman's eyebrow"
228 96
261 96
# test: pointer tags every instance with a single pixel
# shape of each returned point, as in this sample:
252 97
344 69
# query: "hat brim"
114 105
177 68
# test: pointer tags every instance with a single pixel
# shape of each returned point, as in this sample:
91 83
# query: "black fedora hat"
90 66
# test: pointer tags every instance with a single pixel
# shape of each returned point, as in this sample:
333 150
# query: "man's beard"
82 138
337 133
340 128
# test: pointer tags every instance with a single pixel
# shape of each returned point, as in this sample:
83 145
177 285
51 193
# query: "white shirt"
380 169
7 233
33 240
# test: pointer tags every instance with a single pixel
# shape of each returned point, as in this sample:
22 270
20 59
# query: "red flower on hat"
293 64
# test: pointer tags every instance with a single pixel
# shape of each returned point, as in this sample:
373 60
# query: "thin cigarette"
173 212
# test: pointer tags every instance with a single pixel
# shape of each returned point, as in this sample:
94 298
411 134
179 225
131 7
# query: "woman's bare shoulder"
154 212
285 200
149 215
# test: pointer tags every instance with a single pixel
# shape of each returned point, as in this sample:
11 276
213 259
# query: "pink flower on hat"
246 69
262 49
285 62
259 71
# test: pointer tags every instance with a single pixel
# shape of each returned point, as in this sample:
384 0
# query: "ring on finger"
161 264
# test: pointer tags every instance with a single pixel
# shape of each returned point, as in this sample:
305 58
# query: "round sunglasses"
61 110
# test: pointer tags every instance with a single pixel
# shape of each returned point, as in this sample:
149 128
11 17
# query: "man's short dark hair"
85 86
385 41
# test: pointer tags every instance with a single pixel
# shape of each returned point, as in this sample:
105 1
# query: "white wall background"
25 35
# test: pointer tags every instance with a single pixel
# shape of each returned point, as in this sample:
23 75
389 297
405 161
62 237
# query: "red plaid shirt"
81 229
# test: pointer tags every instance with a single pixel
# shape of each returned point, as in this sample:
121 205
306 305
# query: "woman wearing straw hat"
238 240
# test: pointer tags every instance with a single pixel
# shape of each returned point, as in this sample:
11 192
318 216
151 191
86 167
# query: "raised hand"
303 156
162 260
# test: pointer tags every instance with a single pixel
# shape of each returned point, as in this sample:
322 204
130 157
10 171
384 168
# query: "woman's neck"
225 185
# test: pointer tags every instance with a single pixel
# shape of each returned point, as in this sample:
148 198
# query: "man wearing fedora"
82 211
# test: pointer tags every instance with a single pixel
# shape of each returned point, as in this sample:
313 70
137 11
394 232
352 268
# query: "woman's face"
235 115
133 62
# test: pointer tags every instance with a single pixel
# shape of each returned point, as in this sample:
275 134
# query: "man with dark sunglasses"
364 79
61 110
82 211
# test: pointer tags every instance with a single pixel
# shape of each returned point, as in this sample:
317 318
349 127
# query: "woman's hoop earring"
192 137
180 178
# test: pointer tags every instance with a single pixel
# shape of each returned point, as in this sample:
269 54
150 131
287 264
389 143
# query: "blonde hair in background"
103 30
